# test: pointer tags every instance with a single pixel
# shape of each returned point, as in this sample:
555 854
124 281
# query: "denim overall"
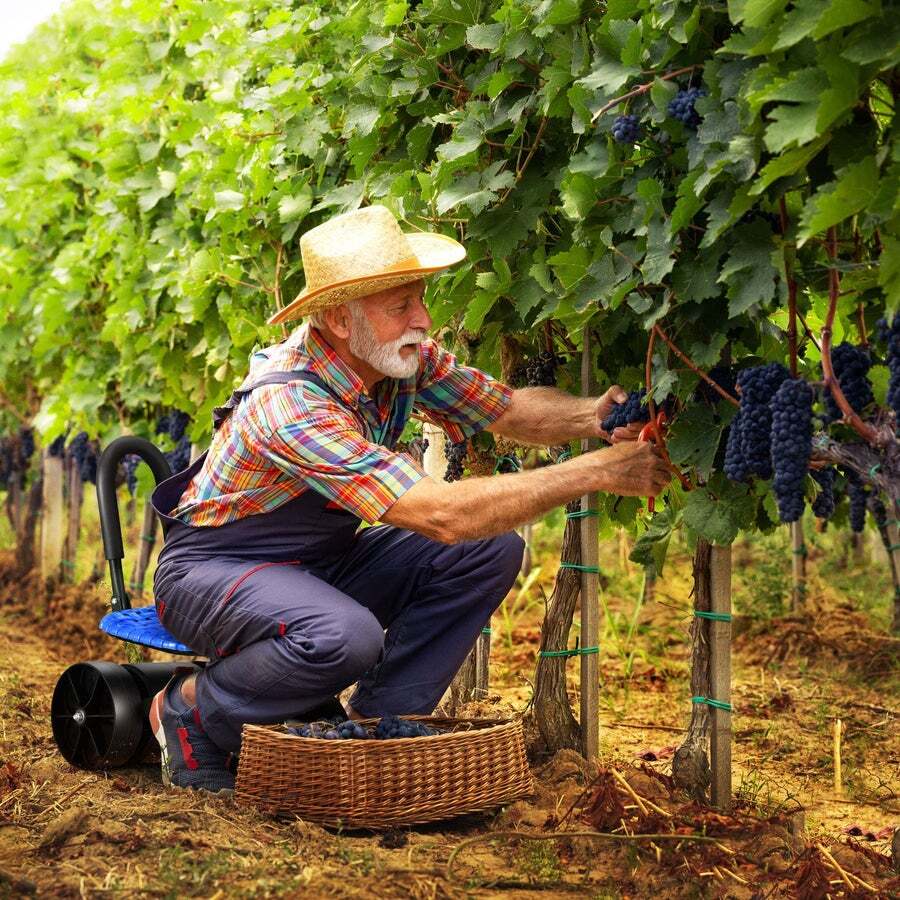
293 605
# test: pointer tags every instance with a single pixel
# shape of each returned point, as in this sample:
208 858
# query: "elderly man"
265 569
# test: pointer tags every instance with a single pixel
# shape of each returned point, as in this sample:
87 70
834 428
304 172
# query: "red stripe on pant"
246 575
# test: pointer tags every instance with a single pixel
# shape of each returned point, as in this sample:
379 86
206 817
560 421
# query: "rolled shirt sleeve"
460 399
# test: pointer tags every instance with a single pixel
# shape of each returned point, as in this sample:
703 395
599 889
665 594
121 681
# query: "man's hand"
631 469
605 404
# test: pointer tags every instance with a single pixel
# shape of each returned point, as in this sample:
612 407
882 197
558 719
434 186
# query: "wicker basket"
475 765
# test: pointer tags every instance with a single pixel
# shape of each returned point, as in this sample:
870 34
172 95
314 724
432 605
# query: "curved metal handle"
110 524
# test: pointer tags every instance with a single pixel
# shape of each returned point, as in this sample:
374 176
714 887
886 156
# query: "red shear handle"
648 433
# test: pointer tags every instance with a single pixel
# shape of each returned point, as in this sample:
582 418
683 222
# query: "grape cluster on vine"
179 458
632 410
84 452
626 129
851 368
858 495
541 370
130 464
754 419
791 439
890 334
456 454
823 505
681 107
56 450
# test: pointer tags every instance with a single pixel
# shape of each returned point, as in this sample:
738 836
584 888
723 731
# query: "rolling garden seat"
99 711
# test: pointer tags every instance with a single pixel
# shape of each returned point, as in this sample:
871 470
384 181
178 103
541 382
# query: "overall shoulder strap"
221 413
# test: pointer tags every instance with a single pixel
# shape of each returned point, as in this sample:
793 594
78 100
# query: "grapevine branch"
864 430
651 408
694 368
641 89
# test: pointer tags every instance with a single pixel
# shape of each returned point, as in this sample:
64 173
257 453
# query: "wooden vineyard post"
798 566
148 540
590 589
720 676
53 525
464 684
76 499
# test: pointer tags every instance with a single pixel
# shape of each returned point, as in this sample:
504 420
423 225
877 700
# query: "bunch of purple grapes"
890 334
626 129
387 728
130 464
6 460
851 368
26 445
395 727
456 454
84 452
57 447
179 458
748 451
632 410
541 371
823 505
791 438
682 106
331 731
859 496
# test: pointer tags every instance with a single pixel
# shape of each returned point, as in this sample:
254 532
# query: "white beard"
384 358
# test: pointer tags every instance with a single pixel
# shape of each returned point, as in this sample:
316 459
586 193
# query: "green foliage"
159 160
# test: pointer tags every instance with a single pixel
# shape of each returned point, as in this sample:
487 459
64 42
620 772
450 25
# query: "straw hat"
362 252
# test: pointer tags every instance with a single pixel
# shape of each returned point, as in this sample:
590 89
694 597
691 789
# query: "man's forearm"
487 506
547 416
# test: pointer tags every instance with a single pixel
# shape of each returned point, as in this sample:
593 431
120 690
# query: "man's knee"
343 647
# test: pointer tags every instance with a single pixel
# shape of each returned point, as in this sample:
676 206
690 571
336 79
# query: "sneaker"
189 758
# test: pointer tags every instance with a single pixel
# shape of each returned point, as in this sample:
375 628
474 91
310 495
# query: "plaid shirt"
282 440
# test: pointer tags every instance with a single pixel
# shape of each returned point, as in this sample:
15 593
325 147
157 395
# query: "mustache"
413 336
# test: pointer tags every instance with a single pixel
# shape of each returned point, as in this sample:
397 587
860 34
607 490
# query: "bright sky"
18 18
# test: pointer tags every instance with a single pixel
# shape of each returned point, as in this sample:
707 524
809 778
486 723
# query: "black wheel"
97 715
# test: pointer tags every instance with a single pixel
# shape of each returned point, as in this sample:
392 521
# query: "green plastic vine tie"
714 616
893 547
566 454
800 551
485 630
718 704
67 563
148 538
511 459
874 469
578 651
595 570
583 513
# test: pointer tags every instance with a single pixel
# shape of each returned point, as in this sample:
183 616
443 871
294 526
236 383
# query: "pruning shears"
650 432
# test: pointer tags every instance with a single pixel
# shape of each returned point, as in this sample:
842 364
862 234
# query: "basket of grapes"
377 773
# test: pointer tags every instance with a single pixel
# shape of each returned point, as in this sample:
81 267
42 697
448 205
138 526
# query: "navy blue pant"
283 636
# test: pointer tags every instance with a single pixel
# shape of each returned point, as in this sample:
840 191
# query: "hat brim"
433 252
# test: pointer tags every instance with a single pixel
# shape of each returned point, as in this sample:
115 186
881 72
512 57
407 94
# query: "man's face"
388 327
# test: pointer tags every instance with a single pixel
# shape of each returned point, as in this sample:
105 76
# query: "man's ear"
338 319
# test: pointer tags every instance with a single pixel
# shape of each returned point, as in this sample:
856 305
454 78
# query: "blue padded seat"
142 626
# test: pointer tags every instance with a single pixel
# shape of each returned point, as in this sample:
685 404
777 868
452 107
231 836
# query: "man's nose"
420 317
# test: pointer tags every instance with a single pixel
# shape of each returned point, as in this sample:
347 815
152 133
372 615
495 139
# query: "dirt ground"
614 829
